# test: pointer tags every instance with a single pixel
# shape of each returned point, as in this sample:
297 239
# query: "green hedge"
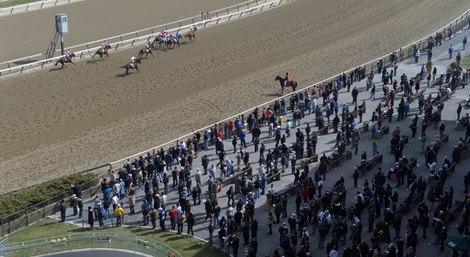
20 200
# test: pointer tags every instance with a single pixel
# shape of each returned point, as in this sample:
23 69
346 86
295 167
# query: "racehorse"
145 51
102 51
159 39
64 60
291 84
132 66
190 35
172 41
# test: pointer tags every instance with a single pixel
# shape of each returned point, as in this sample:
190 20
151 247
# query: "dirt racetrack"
57 122
93 20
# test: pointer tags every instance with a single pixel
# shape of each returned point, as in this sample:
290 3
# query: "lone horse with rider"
286 82
103 50
133 64
146 50
67 58
191 34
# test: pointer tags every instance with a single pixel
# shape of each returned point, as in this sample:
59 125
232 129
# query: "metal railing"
143 35
33 6
91 241
43 209
403 53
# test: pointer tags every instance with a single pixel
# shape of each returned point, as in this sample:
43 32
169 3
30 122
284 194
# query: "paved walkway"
267 243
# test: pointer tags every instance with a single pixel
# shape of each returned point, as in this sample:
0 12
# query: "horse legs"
150 54
127 70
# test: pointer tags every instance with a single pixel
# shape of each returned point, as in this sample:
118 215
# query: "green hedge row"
22 199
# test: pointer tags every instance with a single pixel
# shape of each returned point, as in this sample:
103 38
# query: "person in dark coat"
63 208
91 216
246 233
235 244
254 229
191 222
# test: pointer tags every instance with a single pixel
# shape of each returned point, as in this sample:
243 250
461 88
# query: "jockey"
177 35
286 79
147 47
104 44
68 54
132 60
193 28
163 33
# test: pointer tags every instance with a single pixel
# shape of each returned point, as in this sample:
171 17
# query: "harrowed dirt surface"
56 122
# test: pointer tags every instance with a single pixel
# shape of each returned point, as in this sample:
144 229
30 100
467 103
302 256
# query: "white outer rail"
136 36
33 6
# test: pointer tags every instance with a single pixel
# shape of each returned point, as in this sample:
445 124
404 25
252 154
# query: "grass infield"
187 246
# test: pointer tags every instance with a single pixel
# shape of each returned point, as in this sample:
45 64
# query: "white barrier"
459 24
34 6
139 35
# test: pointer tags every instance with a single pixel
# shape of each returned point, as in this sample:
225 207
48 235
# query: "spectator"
91 216
191 222
62 208
119 214
153 217
442 128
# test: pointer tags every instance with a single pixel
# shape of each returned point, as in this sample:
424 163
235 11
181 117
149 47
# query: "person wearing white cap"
261 169
198 177
75 201
283 229
292 220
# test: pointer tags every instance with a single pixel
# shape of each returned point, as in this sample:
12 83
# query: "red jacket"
173 213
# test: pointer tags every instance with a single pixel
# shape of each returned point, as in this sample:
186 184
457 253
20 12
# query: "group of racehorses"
162 40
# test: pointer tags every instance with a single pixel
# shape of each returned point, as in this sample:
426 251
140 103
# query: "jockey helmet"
133 58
